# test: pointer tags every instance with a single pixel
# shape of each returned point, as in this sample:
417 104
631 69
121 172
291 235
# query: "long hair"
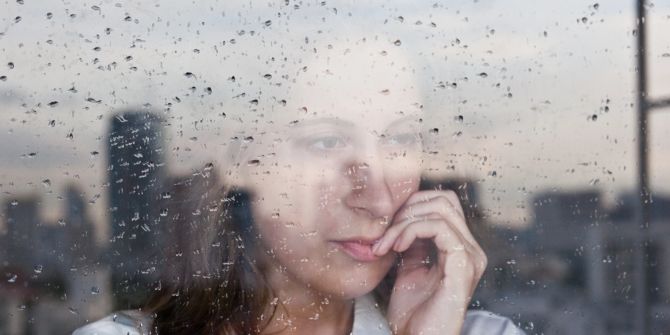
214 287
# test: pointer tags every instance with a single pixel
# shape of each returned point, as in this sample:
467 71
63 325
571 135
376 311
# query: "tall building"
23 223
136 172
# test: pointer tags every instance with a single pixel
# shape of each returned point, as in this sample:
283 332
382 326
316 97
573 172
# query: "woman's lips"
360 251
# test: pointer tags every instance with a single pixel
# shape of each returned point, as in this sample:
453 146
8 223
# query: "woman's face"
328 175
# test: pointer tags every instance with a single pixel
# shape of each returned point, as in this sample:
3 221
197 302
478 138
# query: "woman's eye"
327 143
405 139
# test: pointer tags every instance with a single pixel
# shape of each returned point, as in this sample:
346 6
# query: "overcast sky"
555 109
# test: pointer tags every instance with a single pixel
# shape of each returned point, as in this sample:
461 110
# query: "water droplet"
3 78
189 74
397 43
584 19
208 90
62 222
483 75
73 310
267 76
95 290
254 162
434 130
10 65
385 92
17 19
12 279
14 203
53 104
459 118
596 6
38 268
253 101
594 117
164 212
94 153
275 215
268 23
166 195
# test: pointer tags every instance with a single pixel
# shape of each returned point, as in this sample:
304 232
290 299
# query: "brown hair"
215 287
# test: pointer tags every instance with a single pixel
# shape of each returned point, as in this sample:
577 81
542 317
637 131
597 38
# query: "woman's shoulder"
131 322
485 322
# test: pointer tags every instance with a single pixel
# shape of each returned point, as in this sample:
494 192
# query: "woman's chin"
357 284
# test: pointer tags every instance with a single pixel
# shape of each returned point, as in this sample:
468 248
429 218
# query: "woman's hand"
431 296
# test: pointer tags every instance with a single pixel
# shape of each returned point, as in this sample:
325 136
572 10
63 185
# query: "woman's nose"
370 190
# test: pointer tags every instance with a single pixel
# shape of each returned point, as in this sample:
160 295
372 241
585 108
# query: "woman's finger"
426 196
441 205
446 238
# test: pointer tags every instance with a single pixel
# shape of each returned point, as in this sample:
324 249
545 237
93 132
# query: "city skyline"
545 93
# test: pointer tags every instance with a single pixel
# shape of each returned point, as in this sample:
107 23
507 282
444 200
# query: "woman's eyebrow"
406 119
319 121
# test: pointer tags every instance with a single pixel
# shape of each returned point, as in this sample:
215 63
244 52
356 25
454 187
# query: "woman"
321 228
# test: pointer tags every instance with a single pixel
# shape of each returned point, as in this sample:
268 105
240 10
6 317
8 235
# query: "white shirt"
368 320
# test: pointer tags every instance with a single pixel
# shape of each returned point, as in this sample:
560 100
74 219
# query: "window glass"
254 167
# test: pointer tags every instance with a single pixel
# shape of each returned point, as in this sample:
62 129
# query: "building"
136 173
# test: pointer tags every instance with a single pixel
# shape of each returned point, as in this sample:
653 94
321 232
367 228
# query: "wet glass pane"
338 167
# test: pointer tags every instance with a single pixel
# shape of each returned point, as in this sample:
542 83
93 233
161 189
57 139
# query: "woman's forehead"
366 84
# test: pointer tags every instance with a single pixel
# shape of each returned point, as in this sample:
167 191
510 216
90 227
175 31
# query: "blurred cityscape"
569 272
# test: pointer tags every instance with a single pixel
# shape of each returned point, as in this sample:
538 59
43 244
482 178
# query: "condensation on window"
267 166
